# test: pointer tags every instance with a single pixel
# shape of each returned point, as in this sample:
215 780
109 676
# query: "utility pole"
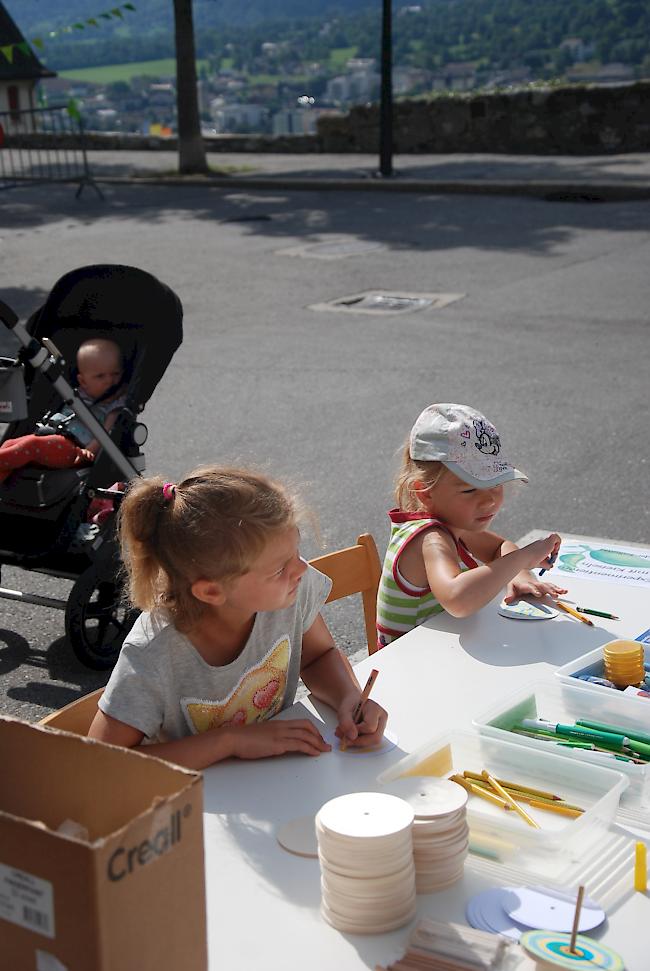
386 103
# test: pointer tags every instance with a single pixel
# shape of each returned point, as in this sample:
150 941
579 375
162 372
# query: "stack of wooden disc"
365 850
440 830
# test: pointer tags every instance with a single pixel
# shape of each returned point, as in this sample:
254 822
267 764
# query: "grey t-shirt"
162 686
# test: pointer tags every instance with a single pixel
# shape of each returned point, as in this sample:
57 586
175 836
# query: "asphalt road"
550 341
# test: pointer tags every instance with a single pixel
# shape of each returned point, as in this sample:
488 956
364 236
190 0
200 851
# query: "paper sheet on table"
602 561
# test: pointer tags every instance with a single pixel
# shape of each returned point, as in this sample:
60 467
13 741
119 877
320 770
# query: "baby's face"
100 371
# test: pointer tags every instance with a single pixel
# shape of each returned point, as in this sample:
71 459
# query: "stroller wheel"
96 622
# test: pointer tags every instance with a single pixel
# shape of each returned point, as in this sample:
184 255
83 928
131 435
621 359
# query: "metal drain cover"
332 249
387 302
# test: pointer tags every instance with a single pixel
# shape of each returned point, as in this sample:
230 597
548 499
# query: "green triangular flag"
79 26
8 51
92 22
37 42
128 6
106 16
24 47
73 110
117 12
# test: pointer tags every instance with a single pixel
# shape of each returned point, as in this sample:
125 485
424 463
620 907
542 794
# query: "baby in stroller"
60 521
62 441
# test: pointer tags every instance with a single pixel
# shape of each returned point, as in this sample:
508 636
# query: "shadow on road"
409 220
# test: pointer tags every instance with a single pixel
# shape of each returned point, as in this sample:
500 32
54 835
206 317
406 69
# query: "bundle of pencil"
438 946
507 795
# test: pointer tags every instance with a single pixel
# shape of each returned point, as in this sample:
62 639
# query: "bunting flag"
8 50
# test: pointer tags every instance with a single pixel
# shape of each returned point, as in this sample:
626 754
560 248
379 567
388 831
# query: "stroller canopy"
129 305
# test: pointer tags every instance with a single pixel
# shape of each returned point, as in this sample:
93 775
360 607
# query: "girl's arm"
462 593
328 674
199 751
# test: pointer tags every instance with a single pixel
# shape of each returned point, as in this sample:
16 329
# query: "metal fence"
43 145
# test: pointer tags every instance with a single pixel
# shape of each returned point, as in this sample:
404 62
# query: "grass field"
340 55
108 73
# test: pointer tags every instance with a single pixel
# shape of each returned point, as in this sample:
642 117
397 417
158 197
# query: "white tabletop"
263 903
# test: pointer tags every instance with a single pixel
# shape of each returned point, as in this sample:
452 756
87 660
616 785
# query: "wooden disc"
429 796
299 836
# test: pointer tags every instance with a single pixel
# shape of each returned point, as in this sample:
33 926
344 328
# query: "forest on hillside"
499 33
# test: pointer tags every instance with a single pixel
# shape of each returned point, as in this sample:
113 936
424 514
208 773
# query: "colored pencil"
357 713
505 795
597 613
574 613
476 790
539 801
515 785
555 807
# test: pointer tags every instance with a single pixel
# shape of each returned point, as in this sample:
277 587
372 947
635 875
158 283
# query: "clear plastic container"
565 703
592 663
505 836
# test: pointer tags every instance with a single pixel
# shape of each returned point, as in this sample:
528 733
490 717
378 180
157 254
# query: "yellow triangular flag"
8 51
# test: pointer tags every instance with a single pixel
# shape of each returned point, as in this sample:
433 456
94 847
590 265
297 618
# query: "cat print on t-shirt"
257 696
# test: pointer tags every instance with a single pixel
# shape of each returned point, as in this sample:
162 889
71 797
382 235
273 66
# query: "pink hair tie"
168 491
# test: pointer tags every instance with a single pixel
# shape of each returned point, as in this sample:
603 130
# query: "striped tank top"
400 605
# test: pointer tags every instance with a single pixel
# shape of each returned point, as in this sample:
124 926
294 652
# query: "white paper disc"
543 909
526 610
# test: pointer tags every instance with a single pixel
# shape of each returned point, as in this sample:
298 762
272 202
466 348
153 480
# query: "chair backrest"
77 716
356 569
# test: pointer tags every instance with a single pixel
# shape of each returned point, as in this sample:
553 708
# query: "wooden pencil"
505 795
515 785
476 790
356 714
574 613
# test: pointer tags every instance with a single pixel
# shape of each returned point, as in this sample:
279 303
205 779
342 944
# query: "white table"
263 903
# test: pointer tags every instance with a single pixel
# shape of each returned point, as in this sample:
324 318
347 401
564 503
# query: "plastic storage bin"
592 663
505 836
566 703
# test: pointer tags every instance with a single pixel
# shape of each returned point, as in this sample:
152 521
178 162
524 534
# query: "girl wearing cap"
441 554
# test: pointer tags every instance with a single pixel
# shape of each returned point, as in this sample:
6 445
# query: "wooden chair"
77 716
356 569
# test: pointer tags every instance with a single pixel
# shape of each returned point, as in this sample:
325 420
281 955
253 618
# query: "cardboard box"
129 895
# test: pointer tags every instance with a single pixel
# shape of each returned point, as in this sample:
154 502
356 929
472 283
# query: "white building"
237 117
294 121
19 78
355 88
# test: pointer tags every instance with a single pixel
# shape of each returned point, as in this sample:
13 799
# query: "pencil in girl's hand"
356 714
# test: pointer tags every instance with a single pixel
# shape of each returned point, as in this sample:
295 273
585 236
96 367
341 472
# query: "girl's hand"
269 738
525 584
369 731
542 553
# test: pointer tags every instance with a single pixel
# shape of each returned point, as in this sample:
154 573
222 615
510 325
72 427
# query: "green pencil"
597 613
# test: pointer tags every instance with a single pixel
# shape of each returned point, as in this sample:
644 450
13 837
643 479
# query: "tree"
191 149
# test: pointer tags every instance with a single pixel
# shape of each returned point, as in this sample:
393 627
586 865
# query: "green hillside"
500 33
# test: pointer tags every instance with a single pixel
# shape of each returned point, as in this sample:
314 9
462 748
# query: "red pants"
52 451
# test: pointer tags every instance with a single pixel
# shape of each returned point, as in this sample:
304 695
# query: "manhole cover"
332 249
388 302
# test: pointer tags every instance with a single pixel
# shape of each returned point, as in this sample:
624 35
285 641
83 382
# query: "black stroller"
44 512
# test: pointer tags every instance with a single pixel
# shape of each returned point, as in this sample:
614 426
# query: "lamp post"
386 102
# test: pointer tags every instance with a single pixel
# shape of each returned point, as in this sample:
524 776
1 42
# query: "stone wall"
572 120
